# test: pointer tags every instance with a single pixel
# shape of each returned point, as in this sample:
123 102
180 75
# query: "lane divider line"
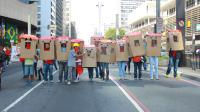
23 96
132 99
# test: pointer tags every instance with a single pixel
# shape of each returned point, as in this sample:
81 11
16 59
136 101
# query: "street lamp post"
99 5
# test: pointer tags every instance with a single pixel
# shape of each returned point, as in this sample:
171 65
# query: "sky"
85 14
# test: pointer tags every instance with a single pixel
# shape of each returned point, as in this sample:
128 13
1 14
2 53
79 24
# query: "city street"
165 95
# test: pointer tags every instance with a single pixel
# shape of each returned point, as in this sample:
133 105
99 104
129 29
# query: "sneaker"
68 82
166 76
51 81
140 78
157 78
76 80
177 77
91 79
45 82
135 78
151 78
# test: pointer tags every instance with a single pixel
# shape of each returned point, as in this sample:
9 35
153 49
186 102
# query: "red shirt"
8 52
137 59
174 53
49 61
21 59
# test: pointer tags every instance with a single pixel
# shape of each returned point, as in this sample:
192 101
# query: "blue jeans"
23 68
121 65
29 70
172 62
48 71
153 66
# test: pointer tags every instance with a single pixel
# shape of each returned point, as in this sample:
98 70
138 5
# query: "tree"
111 33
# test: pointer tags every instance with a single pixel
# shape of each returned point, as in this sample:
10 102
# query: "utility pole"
159 20
29 25
117 26
99 5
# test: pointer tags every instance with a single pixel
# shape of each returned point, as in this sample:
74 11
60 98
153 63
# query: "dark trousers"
90 72
137 69
98 69
40 74
35 68
128 65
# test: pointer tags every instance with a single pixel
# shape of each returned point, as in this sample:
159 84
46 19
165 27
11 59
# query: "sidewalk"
186 72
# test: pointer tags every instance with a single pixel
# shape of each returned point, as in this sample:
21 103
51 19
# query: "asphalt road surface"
164 95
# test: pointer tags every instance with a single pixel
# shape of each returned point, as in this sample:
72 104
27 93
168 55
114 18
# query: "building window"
39 9
39 23
190 3
39 16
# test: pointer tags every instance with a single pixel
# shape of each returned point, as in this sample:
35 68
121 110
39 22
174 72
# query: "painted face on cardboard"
89 52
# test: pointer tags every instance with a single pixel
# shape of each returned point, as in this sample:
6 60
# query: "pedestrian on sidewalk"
174 57
72 64
153 60
128 65
137 60
63 70
48 70
121 65
29 70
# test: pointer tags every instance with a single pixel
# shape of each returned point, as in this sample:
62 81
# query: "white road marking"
23 96
135 104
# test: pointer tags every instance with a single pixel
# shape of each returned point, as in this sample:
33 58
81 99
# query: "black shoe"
97 76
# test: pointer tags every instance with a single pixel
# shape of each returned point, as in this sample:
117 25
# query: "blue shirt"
72 59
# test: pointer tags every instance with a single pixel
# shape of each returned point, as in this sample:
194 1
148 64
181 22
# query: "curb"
195 78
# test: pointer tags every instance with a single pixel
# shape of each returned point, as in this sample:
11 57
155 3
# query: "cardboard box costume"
47 48
175 40
28 46
89 57
121 48
136 44
153 44
107 51
63 46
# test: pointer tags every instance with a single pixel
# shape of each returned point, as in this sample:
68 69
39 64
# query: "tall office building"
59 17
46 18
127 6
66 17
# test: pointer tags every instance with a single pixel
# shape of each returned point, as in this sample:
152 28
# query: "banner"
11 32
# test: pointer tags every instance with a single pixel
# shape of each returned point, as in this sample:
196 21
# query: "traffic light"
188 23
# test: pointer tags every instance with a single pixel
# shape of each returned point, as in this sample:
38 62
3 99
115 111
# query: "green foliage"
111 33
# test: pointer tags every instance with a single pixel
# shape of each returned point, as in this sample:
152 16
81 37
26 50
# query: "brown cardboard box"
28 46
95 40
89 57
106 51
63 46
47 48
153 44
121 50
136 44
175 40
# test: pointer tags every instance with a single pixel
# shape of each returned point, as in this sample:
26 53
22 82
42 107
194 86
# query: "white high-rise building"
46 18
126 7
66 17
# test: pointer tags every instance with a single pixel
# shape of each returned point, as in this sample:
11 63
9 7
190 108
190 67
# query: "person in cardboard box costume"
174 57
79 68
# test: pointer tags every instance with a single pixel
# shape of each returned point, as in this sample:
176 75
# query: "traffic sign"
159 25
